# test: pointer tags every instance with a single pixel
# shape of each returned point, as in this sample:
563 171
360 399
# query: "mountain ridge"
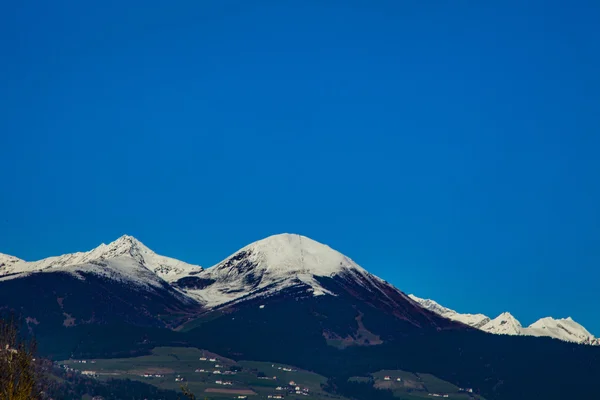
565 329
355 323
263 269
126 248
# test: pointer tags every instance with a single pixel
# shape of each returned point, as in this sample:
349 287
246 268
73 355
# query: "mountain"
290 268
125 281
122 282
272 269
505 324
269 266
126 259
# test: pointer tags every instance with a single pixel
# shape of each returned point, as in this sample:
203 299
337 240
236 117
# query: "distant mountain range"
125 281
288 299
505 324
262 269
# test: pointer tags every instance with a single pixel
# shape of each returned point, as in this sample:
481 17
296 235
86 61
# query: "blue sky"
450 148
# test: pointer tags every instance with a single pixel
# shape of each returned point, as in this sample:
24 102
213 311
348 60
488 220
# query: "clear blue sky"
451 148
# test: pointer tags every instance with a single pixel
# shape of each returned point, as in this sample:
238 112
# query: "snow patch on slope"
474 320
8 262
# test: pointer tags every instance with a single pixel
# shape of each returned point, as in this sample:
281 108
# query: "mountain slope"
474 320
505 324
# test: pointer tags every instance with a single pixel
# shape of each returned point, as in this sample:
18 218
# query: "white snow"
288 254
474 320
564 329
7 263
277 262
125 259
506 324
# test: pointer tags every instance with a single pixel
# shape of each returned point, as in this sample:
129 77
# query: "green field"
414 386
172 362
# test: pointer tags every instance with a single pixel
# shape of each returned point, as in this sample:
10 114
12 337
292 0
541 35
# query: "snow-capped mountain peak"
167 268
286 254
506 324
124 255
503 324
276 262
562 328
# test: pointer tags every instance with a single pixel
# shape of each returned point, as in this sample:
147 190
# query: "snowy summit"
273 264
